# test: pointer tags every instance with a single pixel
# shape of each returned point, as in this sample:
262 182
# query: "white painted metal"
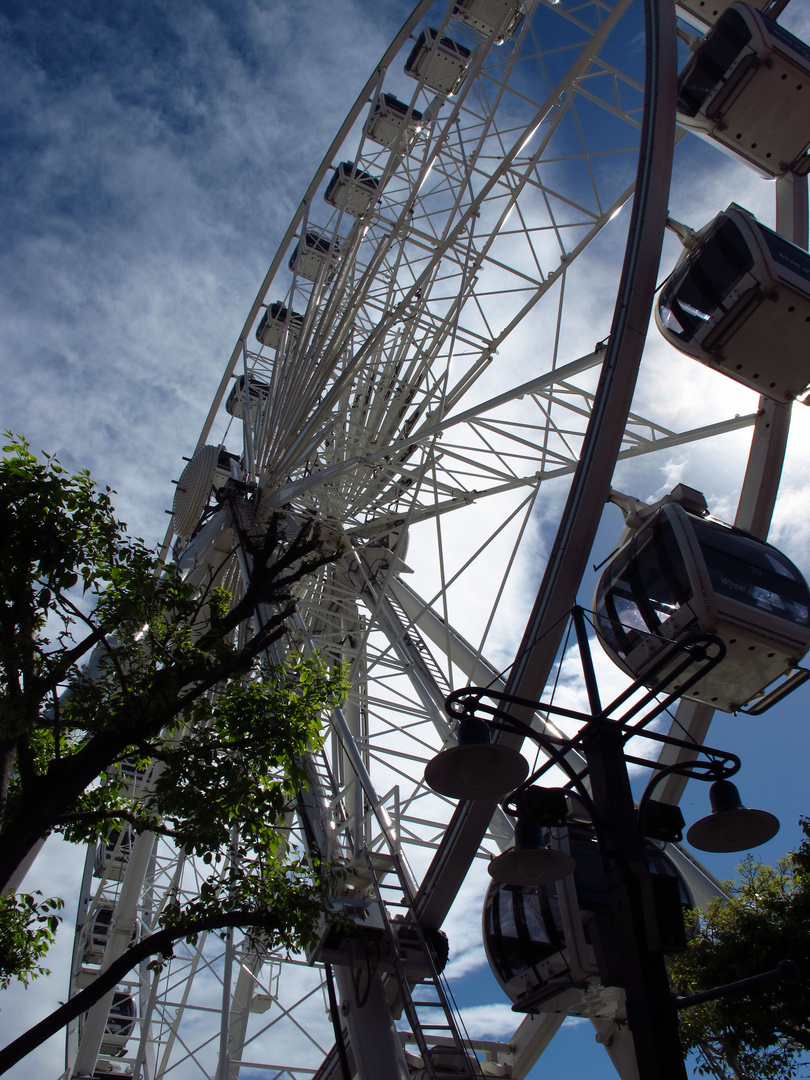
757 109
705 12
119 938
429 411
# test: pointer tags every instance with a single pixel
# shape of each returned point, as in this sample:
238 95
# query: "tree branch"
68 658
796 1034
139 823
160 942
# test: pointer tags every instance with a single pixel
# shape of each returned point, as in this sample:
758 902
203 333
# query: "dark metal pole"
641 971
785 971
639 967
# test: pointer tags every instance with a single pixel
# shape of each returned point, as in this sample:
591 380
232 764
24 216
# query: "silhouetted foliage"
128 695
763 1034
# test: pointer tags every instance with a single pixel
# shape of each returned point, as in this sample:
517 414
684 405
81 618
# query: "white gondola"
739 302
391 124
552 947
112 854
707 12
351 189
275 320
442 64
684 573
97 931
315 255
258 392
120 1025
132 778
747 89
490 16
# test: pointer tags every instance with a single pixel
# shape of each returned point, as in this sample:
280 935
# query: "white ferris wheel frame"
392 293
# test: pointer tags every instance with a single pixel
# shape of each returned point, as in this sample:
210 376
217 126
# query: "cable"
334 1010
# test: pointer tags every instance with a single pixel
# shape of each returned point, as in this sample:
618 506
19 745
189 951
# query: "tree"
763 1034
111 664
28 927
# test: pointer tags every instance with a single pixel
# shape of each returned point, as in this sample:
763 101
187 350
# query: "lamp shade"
731 826
530 862
534 866
476 768
477 772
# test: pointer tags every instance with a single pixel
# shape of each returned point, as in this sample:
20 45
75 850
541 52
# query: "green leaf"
763 1034
168 685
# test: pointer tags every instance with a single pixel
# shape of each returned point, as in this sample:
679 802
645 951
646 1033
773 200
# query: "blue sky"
151 158
152 155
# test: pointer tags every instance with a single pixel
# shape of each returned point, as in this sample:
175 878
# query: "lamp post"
641 905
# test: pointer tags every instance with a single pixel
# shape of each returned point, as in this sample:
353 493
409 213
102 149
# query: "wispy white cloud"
149 166
495 1021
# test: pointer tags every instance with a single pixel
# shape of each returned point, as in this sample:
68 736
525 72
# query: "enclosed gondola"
488 17
747 89
684 573
258 392
112 853
97 931
316 254
739 302
440 61
553 947
275 322
393 124
351 189
707 12
120 1025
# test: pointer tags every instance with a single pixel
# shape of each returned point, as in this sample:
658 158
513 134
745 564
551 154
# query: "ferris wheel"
433 371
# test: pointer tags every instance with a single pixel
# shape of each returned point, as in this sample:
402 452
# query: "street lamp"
594 762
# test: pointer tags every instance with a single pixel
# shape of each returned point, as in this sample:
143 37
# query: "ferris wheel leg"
791 208
119 939
618 1041
769 440
764 470
374 1039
